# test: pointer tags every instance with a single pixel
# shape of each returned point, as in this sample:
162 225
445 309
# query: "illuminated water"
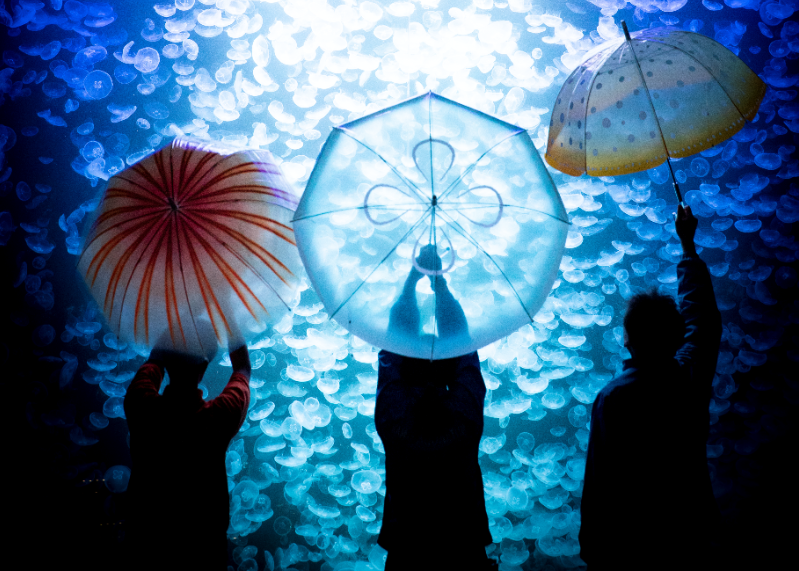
90 87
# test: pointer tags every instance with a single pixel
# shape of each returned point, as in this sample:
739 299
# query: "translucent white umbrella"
430 229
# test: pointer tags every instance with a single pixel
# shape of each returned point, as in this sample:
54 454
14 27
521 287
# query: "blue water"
306 470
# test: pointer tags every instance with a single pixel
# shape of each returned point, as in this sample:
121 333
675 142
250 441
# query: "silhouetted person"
429 415
647 501
178 486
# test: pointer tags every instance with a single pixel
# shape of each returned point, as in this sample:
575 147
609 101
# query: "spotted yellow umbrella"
649 96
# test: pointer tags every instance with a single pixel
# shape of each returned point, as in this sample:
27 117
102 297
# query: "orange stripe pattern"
197 232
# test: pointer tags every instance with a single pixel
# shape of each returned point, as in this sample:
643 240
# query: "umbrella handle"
675 184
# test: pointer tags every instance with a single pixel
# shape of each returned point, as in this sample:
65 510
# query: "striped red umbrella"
197 232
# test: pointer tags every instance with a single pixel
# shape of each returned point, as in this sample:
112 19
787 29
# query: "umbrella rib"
110 244
197 173
245 188
380 263
249 244
410 184
269 224
227 271
130 279
170 296
433 238
202 281
350 209
103 218
480 205
471 167
709 73
654 111
585 117
458 228
233 171
178 235
147 177
262 278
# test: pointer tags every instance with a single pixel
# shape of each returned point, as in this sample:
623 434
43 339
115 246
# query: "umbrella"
197 232
430 229
652 95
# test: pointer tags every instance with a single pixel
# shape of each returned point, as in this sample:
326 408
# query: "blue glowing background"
79 102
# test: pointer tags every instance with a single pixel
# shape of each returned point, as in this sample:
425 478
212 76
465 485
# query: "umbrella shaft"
654 113
674 183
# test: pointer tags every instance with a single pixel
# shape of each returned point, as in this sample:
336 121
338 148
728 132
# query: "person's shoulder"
617 384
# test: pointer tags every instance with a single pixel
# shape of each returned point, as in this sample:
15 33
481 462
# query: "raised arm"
230 407
145 385
697 302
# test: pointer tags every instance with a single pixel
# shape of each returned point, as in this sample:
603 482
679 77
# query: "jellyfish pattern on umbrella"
425 172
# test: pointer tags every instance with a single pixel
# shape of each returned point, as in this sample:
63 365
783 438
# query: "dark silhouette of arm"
229 409
450 318
697 303
404 316
145 386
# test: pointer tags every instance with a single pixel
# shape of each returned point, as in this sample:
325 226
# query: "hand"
685 224
429 258
240 359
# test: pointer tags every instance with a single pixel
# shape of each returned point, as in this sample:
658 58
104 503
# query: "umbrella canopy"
430 229
648 96
196 233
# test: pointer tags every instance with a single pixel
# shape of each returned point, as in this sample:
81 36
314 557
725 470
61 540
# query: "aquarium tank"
88 89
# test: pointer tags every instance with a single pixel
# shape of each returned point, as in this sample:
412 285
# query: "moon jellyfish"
282 525
147 59
247 492
43 335
117 478
748 226
156 110
98 421
98 84
124 74
525 441
785 277
366 481
768 161
87 57
700 167
23 191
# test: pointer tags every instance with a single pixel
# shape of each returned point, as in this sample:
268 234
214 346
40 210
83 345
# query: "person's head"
653 326
185 371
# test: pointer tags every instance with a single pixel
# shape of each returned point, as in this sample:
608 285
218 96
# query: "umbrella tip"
626 31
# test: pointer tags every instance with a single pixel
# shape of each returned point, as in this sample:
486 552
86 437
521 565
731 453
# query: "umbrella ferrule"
435 200
626 31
